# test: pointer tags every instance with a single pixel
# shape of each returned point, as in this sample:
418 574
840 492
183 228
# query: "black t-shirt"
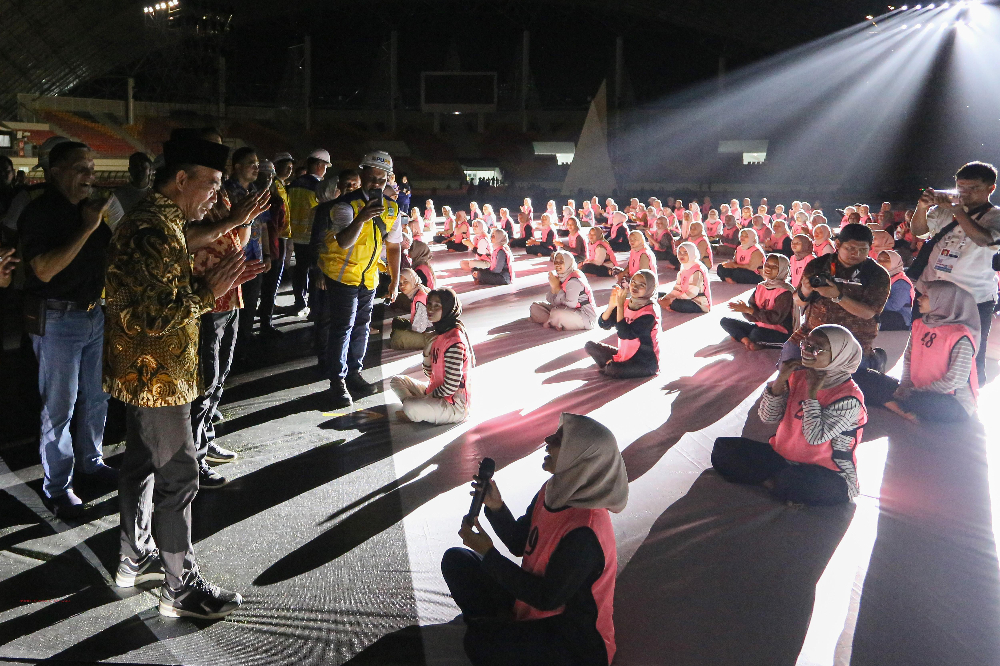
48 223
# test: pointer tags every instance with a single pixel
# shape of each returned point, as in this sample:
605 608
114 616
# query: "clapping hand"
740 306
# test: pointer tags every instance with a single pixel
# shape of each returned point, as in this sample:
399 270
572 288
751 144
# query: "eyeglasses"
809 347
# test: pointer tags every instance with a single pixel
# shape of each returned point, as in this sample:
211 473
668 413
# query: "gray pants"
215 350
560 317
158 480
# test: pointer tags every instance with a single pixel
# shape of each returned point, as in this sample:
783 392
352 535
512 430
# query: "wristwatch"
838 299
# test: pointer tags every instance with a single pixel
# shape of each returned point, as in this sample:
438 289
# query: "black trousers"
926 405
637 366
492 639
686 306
740 275
216 345
300 274
668 256
486 276
890 320
739 329
269 285
742 460
539 250
251 298
157 481
458 247
985 322
594 269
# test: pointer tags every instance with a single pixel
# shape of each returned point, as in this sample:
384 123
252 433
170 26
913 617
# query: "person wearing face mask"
569 305
820 413
898 312
768 312
154 304
746 263
692 291
412 332
500 267
940 382
64 243
562 595
448 362
636 317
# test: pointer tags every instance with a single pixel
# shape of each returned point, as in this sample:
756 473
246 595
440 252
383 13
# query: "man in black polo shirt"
65 246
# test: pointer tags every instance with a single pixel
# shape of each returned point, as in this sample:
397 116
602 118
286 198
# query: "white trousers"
559 317
420 407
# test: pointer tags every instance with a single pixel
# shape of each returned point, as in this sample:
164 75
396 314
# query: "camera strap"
920 262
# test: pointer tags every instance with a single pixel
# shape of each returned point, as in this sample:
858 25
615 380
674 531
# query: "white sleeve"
395 233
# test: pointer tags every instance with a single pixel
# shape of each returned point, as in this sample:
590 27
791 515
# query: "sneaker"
103 474
304 312
338 397
270 333
66 507
217 417
209 479
131 572
359 388
199 599
217 454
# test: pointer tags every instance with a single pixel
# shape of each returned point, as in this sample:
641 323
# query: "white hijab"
846 353
569 264
694 255
590 472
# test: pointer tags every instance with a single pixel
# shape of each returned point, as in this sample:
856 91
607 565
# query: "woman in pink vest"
448 226
800 224
822 243
729 238
713 224
457 242
618 233
762 228
569 305
692 293
481 245
601 259
506 223
639 257
802 254
576 242
747 261
698 238
661 241
546 243
500 268
561 598
636 317
820 413
448 362
768 312
780 241
939 381
897 315
420 261
526 229
411 332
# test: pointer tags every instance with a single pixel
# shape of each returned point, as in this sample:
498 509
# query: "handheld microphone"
486 469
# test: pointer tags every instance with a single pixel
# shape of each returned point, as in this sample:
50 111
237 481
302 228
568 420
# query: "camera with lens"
820 280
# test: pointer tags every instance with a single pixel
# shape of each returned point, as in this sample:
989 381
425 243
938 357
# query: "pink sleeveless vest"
547 530
635 258
440 345
628 348
765 298
592 250
684 280
510 259
902 276
744 254
930 353
798 266
789 441
826 247
419 297
586 286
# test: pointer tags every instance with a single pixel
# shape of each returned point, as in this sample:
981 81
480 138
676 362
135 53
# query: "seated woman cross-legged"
480 244
897 315
557 607
576 241
939 381
820 413
569 305
546 244
745 266
500 268
448 362
420 260
601 259
640 257
692 292
768 311
636 317
413 332
459 241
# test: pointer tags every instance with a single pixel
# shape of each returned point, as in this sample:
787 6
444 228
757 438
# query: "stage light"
869 17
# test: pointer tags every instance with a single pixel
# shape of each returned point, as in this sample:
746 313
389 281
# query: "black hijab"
451 309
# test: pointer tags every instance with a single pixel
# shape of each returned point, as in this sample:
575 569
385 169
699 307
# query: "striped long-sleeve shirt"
956 379
454 363
821 424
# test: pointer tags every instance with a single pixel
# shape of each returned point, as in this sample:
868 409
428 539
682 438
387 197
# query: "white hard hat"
378 159
320 154
281 157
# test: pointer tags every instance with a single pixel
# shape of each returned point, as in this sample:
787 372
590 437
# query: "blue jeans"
69 380
349 311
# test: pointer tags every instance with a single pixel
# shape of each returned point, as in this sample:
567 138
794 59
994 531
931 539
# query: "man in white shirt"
964 254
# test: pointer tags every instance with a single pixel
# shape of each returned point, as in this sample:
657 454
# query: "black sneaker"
359 388
131 573
271 333
209 479
199 599
66 507
338 397
104 475
217 454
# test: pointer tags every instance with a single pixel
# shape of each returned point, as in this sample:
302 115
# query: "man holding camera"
346 249
963 231
846 288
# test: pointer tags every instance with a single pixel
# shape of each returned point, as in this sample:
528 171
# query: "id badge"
950 253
